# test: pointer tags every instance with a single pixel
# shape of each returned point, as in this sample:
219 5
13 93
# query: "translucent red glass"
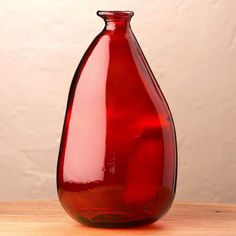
117 162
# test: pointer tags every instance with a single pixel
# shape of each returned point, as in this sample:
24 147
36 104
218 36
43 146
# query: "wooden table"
24 218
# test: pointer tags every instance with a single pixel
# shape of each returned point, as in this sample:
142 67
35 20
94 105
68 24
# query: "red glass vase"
118 157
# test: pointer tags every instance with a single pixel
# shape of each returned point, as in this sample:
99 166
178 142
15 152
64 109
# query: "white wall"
191 47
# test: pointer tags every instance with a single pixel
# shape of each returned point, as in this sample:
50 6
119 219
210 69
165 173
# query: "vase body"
118 160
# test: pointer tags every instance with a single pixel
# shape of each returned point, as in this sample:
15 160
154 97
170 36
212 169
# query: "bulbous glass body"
118 161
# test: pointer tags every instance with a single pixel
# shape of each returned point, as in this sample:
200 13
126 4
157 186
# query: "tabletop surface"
46 217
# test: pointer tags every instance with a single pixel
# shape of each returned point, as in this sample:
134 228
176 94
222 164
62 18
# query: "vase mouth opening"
115 15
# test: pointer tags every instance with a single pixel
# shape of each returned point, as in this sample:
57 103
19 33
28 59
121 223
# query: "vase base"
112 221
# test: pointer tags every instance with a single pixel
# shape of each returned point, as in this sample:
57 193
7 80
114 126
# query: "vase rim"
104 13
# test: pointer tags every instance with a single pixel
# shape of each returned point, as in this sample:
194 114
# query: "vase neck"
116 20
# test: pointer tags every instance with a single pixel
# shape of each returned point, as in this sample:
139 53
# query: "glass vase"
117 163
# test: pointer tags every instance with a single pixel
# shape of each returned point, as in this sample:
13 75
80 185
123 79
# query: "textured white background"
191 47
